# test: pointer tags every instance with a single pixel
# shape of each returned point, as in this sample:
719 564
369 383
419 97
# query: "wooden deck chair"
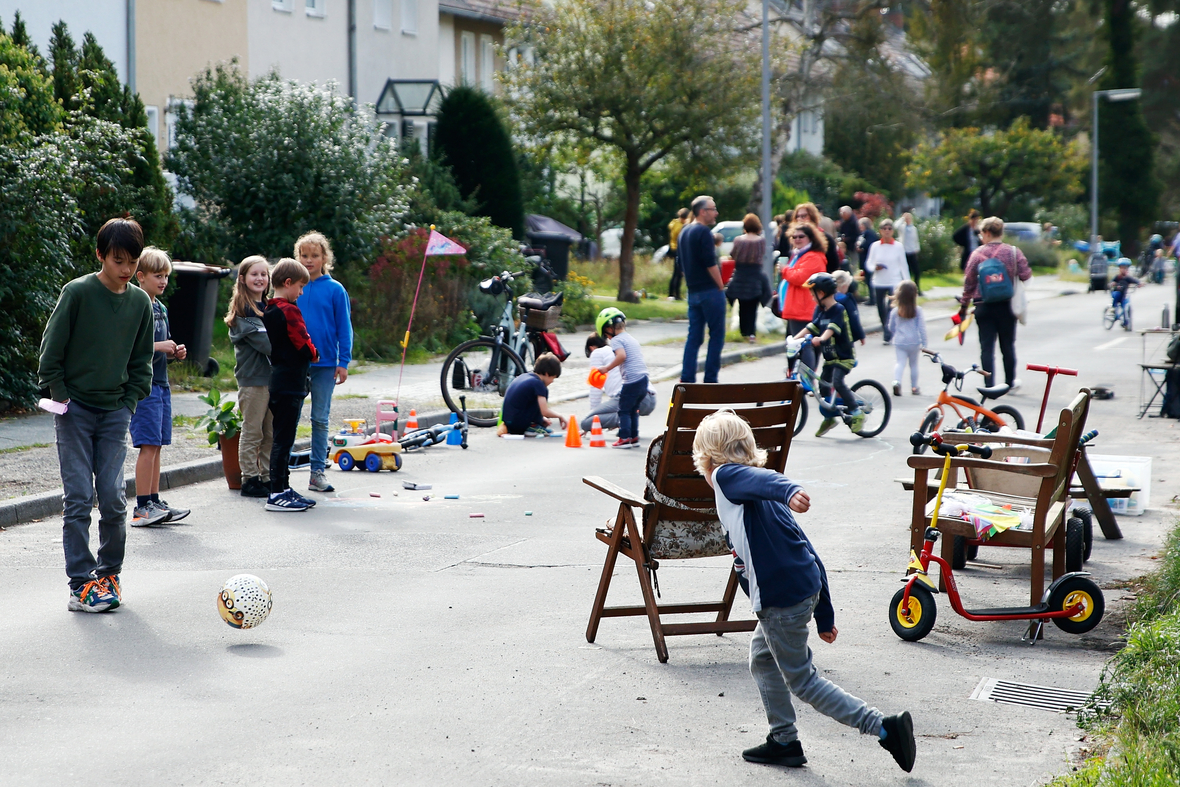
679 511
1047 480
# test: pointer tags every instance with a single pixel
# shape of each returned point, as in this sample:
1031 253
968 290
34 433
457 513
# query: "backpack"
995 284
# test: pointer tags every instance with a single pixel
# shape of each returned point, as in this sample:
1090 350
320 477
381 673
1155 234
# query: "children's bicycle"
872 397
1074 603
1118 312
971 414
483 368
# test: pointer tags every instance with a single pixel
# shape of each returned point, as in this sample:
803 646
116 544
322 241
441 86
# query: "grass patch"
303 430
19 448
647 309
185 421
1139 727
186 376
351 396
652 278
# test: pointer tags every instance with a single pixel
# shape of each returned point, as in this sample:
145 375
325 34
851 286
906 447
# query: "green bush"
1039 255
1071 220
939 252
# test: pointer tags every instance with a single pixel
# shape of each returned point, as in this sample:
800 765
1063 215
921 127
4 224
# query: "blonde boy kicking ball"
151 425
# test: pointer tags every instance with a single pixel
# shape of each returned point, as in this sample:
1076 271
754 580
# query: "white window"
282 5
153 122
383 14
316 7
170 119
467 58
487 62
410 17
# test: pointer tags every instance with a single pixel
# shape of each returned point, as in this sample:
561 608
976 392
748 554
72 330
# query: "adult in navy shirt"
706 294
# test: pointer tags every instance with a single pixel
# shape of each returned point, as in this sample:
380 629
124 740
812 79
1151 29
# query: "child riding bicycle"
1121 283
831 331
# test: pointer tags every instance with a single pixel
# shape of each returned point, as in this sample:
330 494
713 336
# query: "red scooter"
1074 603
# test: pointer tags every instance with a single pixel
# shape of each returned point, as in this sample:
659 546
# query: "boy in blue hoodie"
780 571
328 314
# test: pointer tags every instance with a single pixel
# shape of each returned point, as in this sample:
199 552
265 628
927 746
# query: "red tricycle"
1074 603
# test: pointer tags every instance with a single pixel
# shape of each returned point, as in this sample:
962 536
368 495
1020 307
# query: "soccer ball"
244 601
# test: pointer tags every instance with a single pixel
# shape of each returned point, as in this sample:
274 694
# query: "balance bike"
1074 603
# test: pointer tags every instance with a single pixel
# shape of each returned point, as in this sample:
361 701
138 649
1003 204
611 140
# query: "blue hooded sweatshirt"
771 553
328 316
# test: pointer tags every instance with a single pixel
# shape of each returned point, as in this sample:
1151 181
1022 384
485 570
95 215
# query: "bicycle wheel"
1108 318
1009 417
875 403
467 372
928 427
801 420
1126 316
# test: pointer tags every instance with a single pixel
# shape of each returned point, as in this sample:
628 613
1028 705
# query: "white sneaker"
1015 386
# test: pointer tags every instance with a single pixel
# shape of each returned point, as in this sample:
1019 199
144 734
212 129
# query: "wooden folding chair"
679 509
1042 485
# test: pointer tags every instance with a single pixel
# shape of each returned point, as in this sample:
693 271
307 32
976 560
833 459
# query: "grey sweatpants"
780 662
91 449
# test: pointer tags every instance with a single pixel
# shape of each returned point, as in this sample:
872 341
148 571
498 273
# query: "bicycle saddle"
540 302
994 392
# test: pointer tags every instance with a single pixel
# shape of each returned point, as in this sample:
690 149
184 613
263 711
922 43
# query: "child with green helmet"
612 326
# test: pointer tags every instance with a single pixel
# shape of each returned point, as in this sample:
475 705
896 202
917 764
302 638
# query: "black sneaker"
899 740
774 753
254 487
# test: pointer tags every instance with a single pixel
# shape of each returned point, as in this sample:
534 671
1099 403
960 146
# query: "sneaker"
538 431
622 442
111 583
899 740
774 753
1015 386
858 421
94 596
285 501
825 427
308 501
148 515
916 391
254 487
897 389
318 483
174 514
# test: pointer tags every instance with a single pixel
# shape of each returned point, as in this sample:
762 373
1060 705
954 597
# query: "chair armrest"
614 490
987 437
930 462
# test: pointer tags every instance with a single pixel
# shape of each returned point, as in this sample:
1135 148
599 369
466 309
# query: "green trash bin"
192 309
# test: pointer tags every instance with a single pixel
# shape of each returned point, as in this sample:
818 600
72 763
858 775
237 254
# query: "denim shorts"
151 423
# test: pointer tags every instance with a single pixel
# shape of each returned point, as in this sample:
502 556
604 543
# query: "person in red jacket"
808 256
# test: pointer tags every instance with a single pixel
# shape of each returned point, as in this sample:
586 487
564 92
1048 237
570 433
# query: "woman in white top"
907 233
886 259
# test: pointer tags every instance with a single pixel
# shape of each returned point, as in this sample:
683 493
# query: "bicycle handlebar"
1037 367
934 440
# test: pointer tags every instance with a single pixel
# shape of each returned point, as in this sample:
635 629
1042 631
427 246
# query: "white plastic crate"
1125 471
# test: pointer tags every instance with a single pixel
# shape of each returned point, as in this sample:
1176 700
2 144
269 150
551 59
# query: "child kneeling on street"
526 402
780 571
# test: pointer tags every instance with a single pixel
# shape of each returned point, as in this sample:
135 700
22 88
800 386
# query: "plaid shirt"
1012 257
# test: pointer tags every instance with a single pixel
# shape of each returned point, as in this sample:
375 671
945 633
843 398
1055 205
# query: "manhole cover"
1030 695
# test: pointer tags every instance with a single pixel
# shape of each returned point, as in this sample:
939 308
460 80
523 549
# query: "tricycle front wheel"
919 620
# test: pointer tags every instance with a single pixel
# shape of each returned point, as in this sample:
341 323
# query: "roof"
485 10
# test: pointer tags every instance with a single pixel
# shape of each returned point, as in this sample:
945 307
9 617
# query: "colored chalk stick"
451 497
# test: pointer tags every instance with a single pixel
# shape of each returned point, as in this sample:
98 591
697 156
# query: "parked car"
612 242
729 231
1024 231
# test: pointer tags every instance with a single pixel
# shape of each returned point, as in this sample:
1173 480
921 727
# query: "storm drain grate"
1030 695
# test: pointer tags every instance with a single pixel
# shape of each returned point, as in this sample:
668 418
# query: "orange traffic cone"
597 439
573 437
411 422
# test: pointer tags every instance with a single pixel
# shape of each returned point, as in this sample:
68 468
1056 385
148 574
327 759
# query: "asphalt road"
413 644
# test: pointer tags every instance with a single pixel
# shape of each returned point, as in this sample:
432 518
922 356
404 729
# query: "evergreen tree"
20 36
63 59
27 104
473 142
1127 180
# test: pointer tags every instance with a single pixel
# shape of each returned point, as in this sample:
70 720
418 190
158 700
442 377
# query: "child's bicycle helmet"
608 316
822 283
1124 262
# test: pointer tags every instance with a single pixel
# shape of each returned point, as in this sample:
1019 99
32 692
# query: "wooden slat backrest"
771 409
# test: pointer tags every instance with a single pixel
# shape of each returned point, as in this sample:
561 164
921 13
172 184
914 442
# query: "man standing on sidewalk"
706 293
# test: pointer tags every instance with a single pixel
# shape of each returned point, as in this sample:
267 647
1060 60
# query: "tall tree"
1127 178
27 104
472 141
945 34
649 78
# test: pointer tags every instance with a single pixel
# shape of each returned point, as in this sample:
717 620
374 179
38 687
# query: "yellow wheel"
916 622
1070 593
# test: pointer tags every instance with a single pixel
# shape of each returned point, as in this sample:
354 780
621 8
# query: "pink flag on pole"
441 244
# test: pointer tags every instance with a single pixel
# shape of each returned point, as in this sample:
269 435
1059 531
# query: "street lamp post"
767 259
1128 94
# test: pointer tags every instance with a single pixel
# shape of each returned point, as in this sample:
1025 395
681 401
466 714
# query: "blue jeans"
630 395
704 308
91 449
780 662
323 382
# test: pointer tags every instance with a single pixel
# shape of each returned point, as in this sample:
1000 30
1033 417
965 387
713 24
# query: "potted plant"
223 426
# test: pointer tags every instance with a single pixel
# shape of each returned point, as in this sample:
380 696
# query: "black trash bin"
557 250
192 309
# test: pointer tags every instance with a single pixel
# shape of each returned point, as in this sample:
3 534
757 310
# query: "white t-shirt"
633 368
601 357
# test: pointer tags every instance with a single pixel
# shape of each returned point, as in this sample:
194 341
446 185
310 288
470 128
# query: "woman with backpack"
990 280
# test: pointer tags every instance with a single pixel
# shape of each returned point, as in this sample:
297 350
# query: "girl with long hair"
252 371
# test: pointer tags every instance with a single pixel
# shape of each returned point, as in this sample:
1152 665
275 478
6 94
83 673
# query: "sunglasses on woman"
800 237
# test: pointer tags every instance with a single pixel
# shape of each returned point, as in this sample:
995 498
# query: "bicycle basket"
541 319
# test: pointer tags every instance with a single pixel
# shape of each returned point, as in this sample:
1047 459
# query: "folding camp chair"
679 510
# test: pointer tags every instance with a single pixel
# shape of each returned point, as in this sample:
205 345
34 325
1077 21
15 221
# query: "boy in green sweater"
96 357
